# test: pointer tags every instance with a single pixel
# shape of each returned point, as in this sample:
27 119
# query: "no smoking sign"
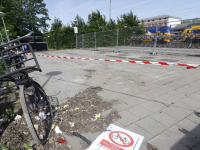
121 139
116 138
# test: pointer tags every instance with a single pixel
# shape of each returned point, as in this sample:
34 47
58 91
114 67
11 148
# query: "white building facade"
162 20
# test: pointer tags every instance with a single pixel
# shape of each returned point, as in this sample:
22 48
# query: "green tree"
96 21
23 16
185 21
128 20
60 36
111 25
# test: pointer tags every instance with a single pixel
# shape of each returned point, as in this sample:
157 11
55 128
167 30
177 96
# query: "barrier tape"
189 66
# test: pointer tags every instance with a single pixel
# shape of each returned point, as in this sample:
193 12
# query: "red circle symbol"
127 140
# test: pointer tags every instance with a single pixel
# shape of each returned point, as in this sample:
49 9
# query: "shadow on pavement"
51 74
190 141
54 101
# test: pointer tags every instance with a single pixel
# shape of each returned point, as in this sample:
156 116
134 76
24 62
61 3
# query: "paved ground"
159 102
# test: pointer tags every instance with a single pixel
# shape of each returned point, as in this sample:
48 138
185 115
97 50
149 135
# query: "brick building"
162 20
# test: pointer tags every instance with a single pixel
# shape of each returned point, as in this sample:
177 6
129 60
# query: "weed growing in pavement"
3 147
28 146
9 114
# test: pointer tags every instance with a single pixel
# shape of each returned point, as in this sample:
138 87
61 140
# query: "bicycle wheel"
37 111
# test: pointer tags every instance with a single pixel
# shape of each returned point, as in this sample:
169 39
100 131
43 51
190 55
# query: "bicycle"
36 107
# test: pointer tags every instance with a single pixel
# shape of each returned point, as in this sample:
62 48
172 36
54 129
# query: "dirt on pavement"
82 114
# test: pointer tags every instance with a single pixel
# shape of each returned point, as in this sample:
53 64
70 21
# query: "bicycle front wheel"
37 111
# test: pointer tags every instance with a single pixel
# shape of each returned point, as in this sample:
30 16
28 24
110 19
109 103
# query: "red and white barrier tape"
189 66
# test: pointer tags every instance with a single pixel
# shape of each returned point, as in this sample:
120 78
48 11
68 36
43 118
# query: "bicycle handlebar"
20 38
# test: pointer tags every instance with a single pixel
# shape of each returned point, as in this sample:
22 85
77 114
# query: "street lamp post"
1 38
3 14
75 21
8 34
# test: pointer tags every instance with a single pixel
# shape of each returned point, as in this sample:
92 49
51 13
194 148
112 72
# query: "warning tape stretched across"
189 66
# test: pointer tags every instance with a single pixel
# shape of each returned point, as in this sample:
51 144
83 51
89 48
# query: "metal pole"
1 38
76 41
110 11
117 37
5 29
95 40
155 39
82 41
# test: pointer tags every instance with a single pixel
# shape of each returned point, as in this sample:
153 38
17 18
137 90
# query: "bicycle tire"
28 117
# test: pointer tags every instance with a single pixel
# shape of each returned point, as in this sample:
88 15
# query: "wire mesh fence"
135 38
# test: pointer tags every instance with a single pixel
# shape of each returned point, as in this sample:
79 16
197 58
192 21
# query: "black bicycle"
34 101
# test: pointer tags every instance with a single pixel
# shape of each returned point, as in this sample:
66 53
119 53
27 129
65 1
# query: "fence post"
95 40
117 38
82 41
155 40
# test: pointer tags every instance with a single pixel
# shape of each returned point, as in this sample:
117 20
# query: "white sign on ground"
116 138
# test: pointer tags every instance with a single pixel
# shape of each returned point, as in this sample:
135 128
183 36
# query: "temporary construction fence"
136 37
117 37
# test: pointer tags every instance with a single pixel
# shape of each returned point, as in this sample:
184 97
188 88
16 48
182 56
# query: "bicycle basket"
16 59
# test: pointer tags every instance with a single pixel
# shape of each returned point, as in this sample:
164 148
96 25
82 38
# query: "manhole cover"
168 60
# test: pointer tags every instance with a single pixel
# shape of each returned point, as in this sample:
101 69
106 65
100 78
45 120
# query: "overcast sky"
66 10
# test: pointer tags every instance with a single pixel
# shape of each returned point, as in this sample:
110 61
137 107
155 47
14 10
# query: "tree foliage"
62 37
128 20
23 16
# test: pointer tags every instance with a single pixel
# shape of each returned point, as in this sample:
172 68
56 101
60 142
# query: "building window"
165 24
147 25
159 24
152 20
148 20
159 19
152 25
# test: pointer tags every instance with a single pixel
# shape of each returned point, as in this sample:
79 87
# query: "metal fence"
131 37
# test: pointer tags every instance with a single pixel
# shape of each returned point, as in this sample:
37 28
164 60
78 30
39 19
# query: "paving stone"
195 96
138 130
181 136
164 142
184 107
188 90
195 117
175 112
164 119
183 81
173 85
133 101
155 92
168 98
190 126
91 136
177 94
191 102
151 125
117 123
152 106
127 118
120 107
139 111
